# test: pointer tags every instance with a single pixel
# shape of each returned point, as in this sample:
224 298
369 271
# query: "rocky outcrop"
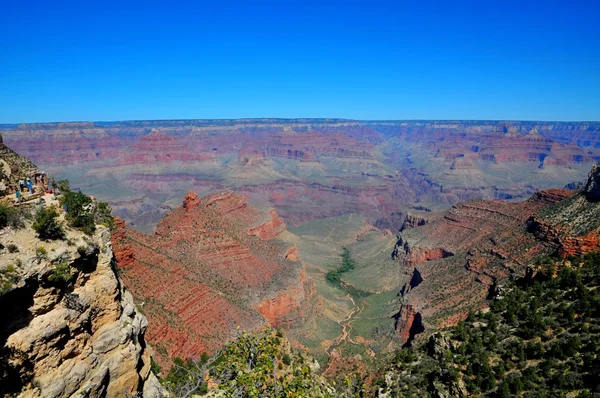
573 224
76 336
488 241
212 265
415 280
592 187
409 323
416 219
269 229
551 196
413 254
491 241
291 307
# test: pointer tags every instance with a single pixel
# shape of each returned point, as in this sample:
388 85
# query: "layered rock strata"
463 253
211 266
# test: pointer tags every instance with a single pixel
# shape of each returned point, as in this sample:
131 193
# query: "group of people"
24 183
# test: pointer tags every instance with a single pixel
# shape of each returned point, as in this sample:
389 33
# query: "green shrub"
63 185
12 248
8 277
79 211
61 273
103 215
82 212
154 366
11 216
46 225
287 359
41 252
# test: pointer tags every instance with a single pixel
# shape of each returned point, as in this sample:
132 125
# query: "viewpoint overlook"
352 239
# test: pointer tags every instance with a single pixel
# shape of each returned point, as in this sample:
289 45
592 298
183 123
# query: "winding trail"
346 325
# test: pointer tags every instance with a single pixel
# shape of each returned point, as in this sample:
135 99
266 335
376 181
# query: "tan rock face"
84 337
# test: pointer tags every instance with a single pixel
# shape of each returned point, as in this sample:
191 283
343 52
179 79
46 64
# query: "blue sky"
102 60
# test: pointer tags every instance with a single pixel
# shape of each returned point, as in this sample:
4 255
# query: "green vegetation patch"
540 338
347 265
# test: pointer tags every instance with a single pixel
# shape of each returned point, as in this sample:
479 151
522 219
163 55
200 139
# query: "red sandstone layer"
212 265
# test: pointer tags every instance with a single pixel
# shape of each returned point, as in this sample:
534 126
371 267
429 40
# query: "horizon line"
332 119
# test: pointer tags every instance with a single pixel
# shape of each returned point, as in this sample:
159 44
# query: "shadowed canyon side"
301 167
461 255
212 265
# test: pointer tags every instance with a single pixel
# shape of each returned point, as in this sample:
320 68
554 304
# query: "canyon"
230 225
464 254
212 266
308 168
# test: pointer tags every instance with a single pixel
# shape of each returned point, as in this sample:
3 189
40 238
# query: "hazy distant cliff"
302 166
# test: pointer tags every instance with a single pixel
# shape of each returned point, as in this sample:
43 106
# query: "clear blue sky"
418 59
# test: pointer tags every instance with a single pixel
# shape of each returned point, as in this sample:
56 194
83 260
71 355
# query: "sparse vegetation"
8 277
46 224
41 252
12 248
11 216
61 273
82 212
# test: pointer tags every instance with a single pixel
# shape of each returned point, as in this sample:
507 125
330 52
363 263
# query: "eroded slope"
212 265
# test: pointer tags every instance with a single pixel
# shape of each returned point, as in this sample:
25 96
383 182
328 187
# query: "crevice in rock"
16 315
416 328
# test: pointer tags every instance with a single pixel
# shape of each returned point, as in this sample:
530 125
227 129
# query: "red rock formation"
124 255
490 240
567 245
191 201
408 323
292 254
551 196
269 229
416 218
577 246
278 309
202 273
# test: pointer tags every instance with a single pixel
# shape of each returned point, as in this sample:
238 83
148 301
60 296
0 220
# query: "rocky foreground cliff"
68 327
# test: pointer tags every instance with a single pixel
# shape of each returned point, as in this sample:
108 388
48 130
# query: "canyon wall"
78 337
301 167
211 266
463 253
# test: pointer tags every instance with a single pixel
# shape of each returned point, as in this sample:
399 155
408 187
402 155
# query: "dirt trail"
346 325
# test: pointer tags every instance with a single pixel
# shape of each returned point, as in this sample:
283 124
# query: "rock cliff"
462 253
212 265
75 335
302 167
573 225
